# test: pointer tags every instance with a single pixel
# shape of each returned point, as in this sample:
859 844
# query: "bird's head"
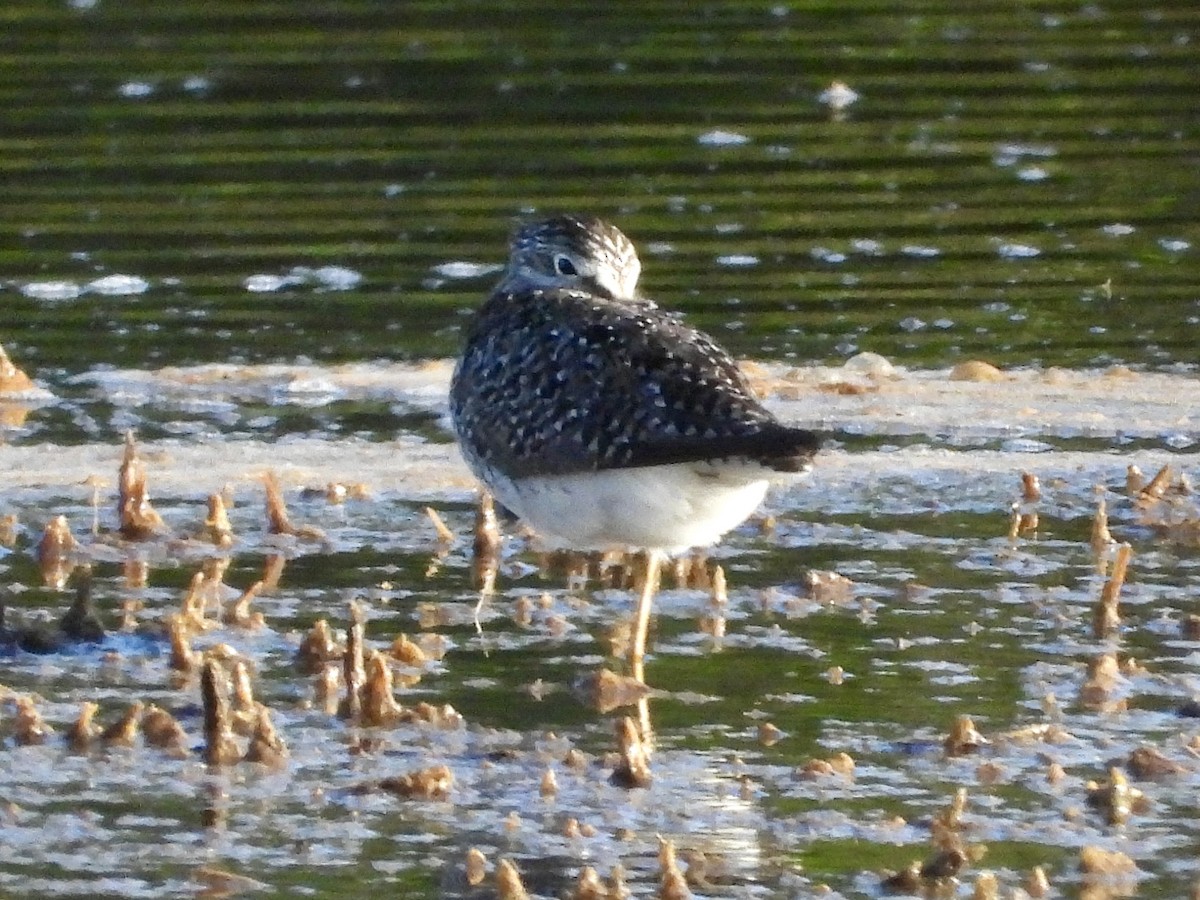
573 252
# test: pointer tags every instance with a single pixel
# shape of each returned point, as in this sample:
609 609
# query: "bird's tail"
786 449
778 447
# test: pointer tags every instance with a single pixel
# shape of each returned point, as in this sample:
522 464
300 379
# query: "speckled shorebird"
603 421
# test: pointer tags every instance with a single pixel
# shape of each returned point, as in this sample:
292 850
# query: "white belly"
657 507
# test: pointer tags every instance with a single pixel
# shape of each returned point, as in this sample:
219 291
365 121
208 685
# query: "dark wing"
556 382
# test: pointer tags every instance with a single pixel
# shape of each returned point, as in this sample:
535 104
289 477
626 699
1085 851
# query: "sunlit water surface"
228 223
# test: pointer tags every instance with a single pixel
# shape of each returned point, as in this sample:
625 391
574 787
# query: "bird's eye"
564 266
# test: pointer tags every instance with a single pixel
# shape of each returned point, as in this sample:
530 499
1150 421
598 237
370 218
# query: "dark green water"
1002 164
280 182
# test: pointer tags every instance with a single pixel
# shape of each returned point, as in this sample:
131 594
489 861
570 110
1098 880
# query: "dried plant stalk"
475 867
183 657
353 668
444 534
317 648
508 882
278 521
8 529
138 519
1154 491
124 732
217 527
273 570
12 379
163 730
266 745
85 730
243 707
55 553
194 603
633 768
238 613
220 748
28 726
672 885
1031 488
378 703
408 652
1107 617
1134 480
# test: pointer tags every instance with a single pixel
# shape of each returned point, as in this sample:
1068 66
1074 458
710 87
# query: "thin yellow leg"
641 621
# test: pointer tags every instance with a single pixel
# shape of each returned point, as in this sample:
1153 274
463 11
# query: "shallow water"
947 616
250 233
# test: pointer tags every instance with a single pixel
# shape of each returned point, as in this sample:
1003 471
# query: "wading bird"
603 421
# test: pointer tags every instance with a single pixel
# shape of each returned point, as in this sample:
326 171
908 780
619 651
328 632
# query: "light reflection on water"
226 183
947 616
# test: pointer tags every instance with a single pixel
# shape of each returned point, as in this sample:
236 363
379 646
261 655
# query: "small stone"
476 867
976 370
964 738
1149 763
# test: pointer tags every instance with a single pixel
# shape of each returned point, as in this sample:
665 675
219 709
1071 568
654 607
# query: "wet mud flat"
922 674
